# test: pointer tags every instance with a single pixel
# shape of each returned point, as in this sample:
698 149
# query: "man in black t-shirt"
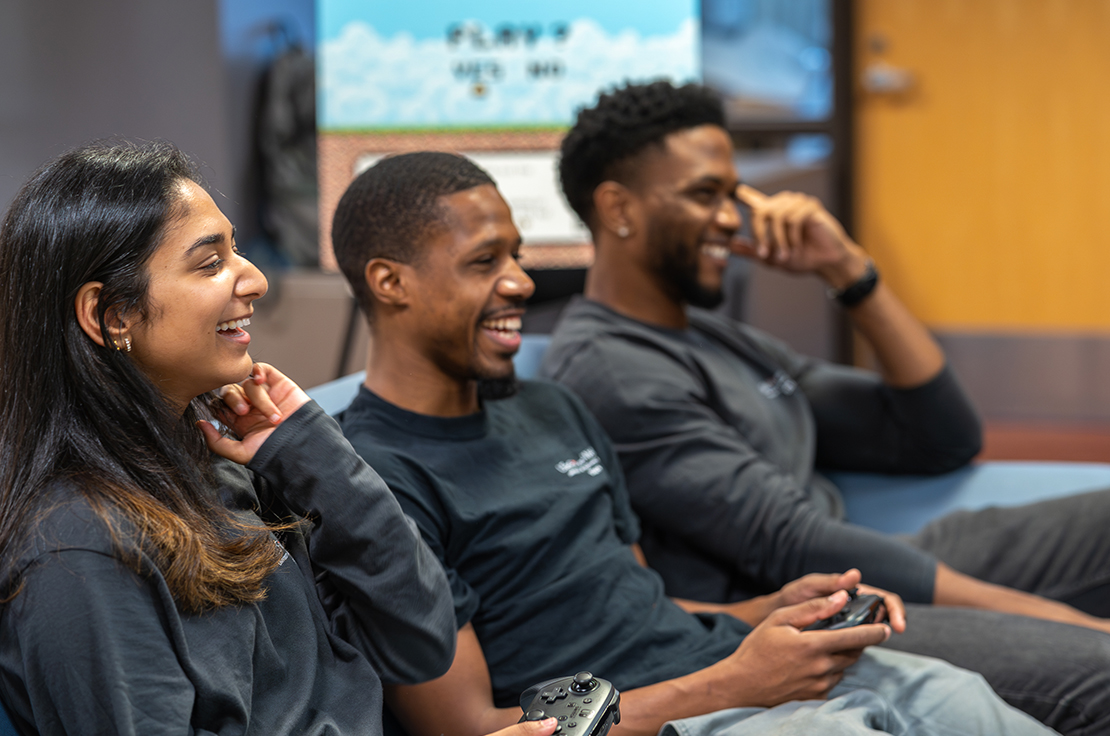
719 427
523 501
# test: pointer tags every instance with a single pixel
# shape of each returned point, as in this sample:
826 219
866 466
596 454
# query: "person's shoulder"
379 444
68 523
365 426
733 333
594 338
553 407
584 326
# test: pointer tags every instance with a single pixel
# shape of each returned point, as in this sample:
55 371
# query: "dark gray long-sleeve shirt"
90 646
719 428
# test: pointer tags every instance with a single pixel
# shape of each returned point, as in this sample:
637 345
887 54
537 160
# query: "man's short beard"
494 389
682 278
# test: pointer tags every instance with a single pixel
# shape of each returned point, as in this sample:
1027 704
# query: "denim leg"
885 692
1057 673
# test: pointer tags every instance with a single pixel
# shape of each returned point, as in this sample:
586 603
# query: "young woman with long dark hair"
151 586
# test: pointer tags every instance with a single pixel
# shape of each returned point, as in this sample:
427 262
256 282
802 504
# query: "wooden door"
983 188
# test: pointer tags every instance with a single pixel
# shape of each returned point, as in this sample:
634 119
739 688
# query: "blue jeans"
884 692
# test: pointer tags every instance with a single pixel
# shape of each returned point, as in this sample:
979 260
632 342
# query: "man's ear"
615 209
386 281
87 304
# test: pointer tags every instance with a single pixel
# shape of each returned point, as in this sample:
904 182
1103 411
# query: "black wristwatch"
855 293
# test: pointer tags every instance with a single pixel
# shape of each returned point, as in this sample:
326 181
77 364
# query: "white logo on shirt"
279 545
587 462
778 385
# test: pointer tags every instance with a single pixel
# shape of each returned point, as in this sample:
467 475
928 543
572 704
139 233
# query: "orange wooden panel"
984 191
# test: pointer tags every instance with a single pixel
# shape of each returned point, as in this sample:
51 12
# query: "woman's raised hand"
255 407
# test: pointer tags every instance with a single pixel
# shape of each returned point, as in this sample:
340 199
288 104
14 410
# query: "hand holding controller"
860 609
585 705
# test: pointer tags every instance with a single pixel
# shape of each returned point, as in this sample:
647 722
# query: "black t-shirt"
525 504
90 646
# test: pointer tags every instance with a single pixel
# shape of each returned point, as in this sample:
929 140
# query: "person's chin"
495 389
498 383
698 294
236 373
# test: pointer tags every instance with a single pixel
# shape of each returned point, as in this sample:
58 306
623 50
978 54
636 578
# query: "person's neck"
630 290
399 374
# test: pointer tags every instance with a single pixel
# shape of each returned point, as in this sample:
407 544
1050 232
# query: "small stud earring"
127 343
622 231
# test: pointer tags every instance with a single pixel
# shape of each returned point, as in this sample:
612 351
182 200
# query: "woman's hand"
529 728
255 407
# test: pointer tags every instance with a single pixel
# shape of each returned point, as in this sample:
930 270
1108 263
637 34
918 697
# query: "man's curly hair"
625 121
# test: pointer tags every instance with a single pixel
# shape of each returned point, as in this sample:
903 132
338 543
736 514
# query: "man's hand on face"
794 232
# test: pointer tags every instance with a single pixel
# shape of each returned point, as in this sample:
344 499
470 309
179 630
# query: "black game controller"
585 705
860 609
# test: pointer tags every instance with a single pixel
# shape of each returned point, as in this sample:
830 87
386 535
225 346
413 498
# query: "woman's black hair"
84 415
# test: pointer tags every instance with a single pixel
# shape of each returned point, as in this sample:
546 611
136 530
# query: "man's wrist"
854 294
846 271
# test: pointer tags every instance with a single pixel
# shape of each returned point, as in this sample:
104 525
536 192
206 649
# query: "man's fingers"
781 244
855 637
803 614
895 607
745 247
750 196
759 231
841 661
800 215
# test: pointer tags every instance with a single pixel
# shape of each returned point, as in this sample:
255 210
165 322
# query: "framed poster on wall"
497 80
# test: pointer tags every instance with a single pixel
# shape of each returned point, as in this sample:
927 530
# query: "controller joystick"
584 682
585 705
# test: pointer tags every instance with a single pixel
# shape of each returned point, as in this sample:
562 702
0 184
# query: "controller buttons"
558 729
584 713
587 700
572 724
562 718
535 715
550 696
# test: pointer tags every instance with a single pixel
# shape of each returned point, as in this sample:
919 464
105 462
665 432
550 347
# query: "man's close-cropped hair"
623 123
393 205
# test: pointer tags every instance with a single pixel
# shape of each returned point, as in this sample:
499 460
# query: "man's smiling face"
468 290
687 186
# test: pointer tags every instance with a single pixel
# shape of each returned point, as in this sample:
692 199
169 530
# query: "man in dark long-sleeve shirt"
719 427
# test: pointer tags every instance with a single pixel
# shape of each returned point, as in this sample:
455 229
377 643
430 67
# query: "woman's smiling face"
191 339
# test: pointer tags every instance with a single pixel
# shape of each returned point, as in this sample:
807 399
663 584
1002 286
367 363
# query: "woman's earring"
127 343
622 231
